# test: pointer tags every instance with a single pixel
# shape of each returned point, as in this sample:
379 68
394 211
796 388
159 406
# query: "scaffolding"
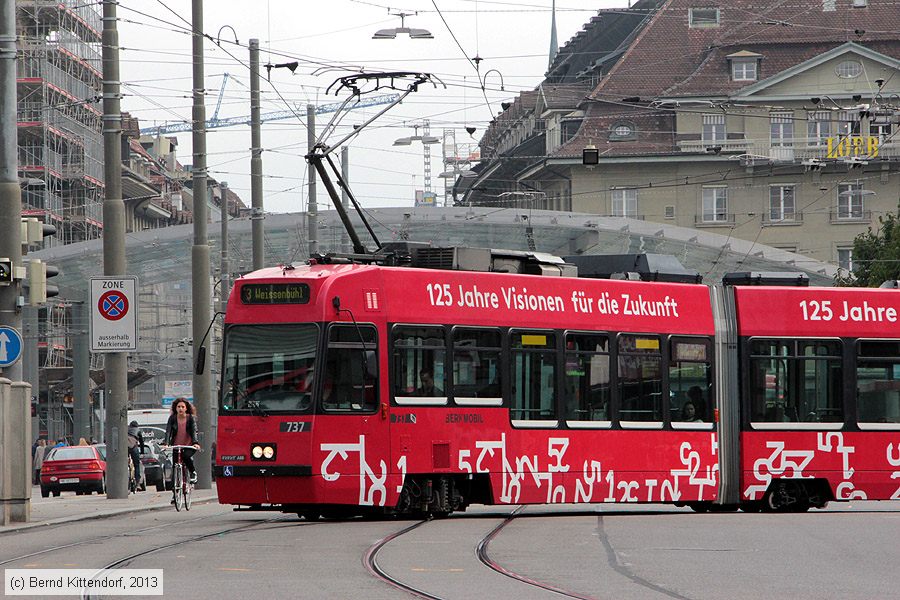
58 85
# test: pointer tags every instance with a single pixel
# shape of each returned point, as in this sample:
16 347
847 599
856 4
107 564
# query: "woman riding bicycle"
181 430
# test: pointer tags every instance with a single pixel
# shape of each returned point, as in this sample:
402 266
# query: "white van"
151 421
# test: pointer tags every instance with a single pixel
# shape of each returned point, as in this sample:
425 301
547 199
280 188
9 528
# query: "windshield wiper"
256 408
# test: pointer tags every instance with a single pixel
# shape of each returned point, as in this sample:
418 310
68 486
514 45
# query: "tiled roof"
670 57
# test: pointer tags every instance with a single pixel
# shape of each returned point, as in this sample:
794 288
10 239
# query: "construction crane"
215 122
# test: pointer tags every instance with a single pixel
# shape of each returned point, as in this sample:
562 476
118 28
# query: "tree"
876 255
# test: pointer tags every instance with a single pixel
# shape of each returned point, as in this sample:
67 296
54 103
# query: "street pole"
10 192
116 363
345 200
81 369
15 395
311 220
256 188
224 287
201 294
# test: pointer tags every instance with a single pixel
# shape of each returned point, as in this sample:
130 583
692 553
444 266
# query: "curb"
100 515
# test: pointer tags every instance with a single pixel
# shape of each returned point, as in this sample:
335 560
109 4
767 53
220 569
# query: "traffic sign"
10 346
114 311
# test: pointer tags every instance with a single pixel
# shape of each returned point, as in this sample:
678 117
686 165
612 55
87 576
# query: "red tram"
354 388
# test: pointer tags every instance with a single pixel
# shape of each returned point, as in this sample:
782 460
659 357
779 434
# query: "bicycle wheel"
188 488
178 487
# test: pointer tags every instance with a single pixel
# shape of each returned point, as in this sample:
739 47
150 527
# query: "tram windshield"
269 367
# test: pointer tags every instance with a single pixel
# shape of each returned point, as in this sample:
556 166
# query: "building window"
850 201
715 204
624 203
849 123
845 258
713 129
781 126
818 128
781 203
882 127
744 69
849 69
622 130
704 17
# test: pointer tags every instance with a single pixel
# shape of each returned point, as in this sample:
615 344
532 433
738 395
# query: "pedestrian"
39 460
60 443
82 442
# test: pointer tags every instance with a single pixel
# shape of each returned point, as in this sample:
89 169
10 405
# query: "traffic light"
33 233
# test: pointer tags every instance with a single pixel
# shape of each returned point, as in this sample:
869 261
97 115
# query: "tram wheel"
309 515
700 507
786 495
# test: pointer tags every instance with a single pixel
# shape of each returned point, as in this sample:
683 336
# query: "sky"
330 40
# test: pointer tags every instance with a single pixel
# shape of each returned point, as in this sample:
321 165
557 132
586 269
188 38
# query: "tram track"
481 550
126 561
103 538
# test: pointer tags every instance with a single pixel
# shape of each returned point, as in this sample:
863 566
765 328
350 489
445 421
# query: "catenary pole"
115 363
311 218
256 187
201 294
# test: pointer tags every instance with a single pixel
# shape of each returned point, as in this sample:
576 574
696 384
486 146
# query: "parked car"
81 469
157 466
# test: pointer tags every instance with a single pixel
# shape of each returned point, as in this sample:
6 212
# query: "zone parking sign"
114 312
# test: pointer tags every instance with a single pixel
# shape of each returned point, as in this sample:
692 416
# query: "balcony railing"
717 220
800 149
785 219
850 216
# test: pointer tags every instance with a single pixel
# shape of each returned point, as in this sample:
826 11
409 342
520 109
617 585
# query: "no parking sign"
114 314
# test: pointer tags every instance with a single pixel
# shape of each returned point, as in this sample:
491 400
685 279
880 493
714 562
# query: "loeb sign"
114 312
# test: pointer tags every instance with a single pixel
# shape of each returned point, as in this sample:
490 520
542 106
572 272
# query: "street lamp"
391 33
426 140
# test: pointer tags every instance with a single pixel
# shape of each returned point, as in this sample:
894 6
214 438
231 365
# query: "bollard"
15 452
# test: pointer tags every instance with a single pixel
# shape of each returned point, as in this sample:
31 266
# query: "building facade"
766 121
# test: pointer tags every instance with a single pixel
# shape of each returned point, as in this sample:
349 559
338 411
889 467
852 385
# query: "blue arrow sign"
10 346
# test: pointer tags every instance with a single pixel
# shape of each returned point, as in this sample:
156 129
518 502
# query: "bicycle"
181 480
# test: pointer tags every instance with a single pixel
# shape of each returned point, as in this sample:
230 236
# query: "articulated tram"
357 387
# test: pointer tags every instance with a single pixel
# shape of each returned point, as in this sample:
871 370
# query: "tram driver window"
533 378
640 380
419 373
796 381
351 372
269 367
878 384
587 377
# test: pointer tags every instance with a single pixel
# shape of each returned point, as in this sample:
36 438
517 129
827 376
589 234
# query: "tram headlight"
263 451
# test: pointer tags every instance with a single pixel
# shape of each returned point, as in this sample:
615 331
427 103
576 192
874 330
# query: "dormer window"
705 17
744 66
622 131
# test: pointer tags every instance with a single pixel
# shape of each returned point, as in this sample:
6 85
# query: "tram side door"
352 407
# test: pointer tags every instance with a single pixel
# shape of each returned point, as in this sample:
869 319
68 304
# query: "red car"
73 468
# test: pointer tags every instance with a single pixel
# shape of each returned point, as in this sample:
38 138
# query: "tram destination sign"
275 293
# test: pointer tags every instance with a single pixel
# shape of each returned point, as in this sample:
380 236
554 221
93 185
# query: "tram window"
476 367
690 380
587 377
533 376
269 367
419 365
796 381
351 373
640 379
878 384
